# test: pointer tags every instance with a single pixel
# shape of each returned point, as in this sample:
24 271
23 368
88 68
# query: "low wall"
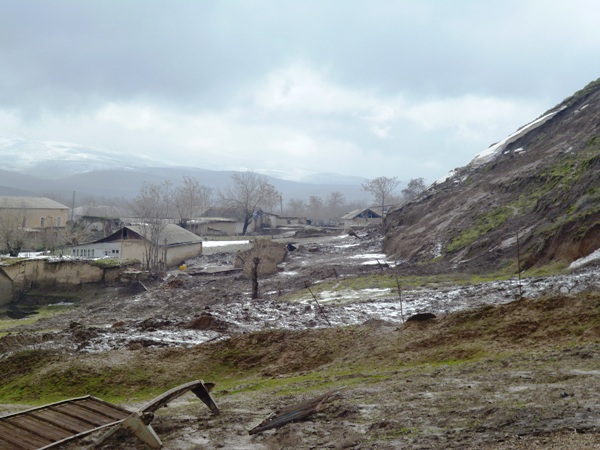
42 273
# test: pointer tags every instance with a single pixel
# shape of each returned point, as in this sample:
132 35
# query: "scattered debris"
293 413
353 234
54 424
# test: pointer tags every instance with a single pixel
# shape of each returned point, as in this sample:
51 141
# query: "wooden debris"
138 422
293 413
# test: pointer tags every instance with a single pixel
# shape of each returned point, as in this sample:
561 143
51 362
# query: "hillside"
542 184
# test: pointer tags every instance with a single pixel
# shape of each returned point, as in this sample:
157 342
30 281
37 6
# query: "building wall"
46 218
97 250
45 273
133 249
360 222
182 252
212 228
41 273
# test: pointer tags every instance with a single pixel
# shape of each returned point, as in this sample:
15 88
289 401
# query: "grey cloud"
66 59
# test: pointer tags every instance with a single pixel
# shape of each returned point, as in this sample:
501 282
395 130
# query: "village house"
362 217
214 226
175 244
270 220
36 213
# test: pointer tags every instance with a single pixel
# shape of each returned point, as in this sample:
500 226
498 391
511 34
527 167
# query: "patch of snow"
223 243
347 245
585 260
31 254
494 150
444 178
369 255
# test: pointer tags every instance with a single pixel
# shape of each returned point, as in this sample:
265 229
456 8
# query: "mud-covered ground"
211 300
511 376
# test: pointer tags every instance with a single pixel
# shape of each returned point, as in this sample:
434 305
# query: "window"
42 222
58 221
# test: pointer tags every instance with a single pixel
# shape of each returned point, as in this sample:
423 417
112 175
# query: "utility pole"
73 207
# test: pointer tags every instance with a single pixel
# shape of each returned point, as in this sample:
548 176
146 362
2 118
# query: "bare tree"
248 192
413 188
296 207
152 207
190 198
335 201
13 234
381 188
315 208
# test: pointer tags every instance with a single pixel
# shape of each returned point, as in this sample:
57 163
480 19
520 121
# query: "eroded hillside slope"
542 183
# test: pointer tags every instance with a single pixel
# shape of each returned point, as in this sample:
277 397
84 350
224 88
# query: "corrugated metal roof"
50 425
174 234
30 203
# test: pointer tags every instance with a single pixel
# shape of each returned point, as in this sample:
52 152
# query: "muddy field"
491 370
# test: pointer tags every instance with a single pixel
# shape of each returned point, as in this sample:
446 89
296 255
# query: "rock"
207 321
421 317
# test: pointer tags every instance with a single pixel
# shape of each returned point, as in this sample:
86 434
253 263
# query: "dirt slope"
522 375
542 183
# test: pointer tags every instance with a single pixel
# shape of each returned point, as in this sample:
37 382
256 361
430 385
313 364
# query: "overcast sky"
369 88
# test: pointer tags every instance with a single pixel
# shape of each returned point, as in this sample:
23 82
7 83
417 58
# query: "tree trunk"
255 263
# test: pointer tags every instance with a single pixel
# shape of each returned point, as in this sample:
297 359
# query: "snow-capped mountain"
54 160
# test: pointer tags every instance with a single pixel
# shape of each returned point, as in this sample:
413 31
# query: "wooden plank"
23 438
41 428
5 443
50 425
61 421
90 417
292 413
108 410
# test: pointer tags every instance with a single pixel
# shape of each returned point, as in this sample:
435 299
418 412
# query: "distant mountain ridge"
540 185
126 183
31 167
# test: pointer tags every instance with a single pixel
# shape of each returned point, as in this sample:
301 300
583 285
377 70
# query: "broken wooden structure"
293 413
51 425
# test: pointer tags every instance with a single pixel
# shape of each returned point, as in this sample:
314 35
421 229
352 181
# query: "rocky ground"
491 370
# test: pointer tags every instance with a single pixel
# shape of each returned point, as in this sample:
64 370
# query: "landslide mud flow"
490 370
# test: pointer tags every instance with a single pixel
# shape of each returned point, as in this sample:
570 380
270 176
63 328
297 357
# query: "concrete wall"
41 273
134 249
180 253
